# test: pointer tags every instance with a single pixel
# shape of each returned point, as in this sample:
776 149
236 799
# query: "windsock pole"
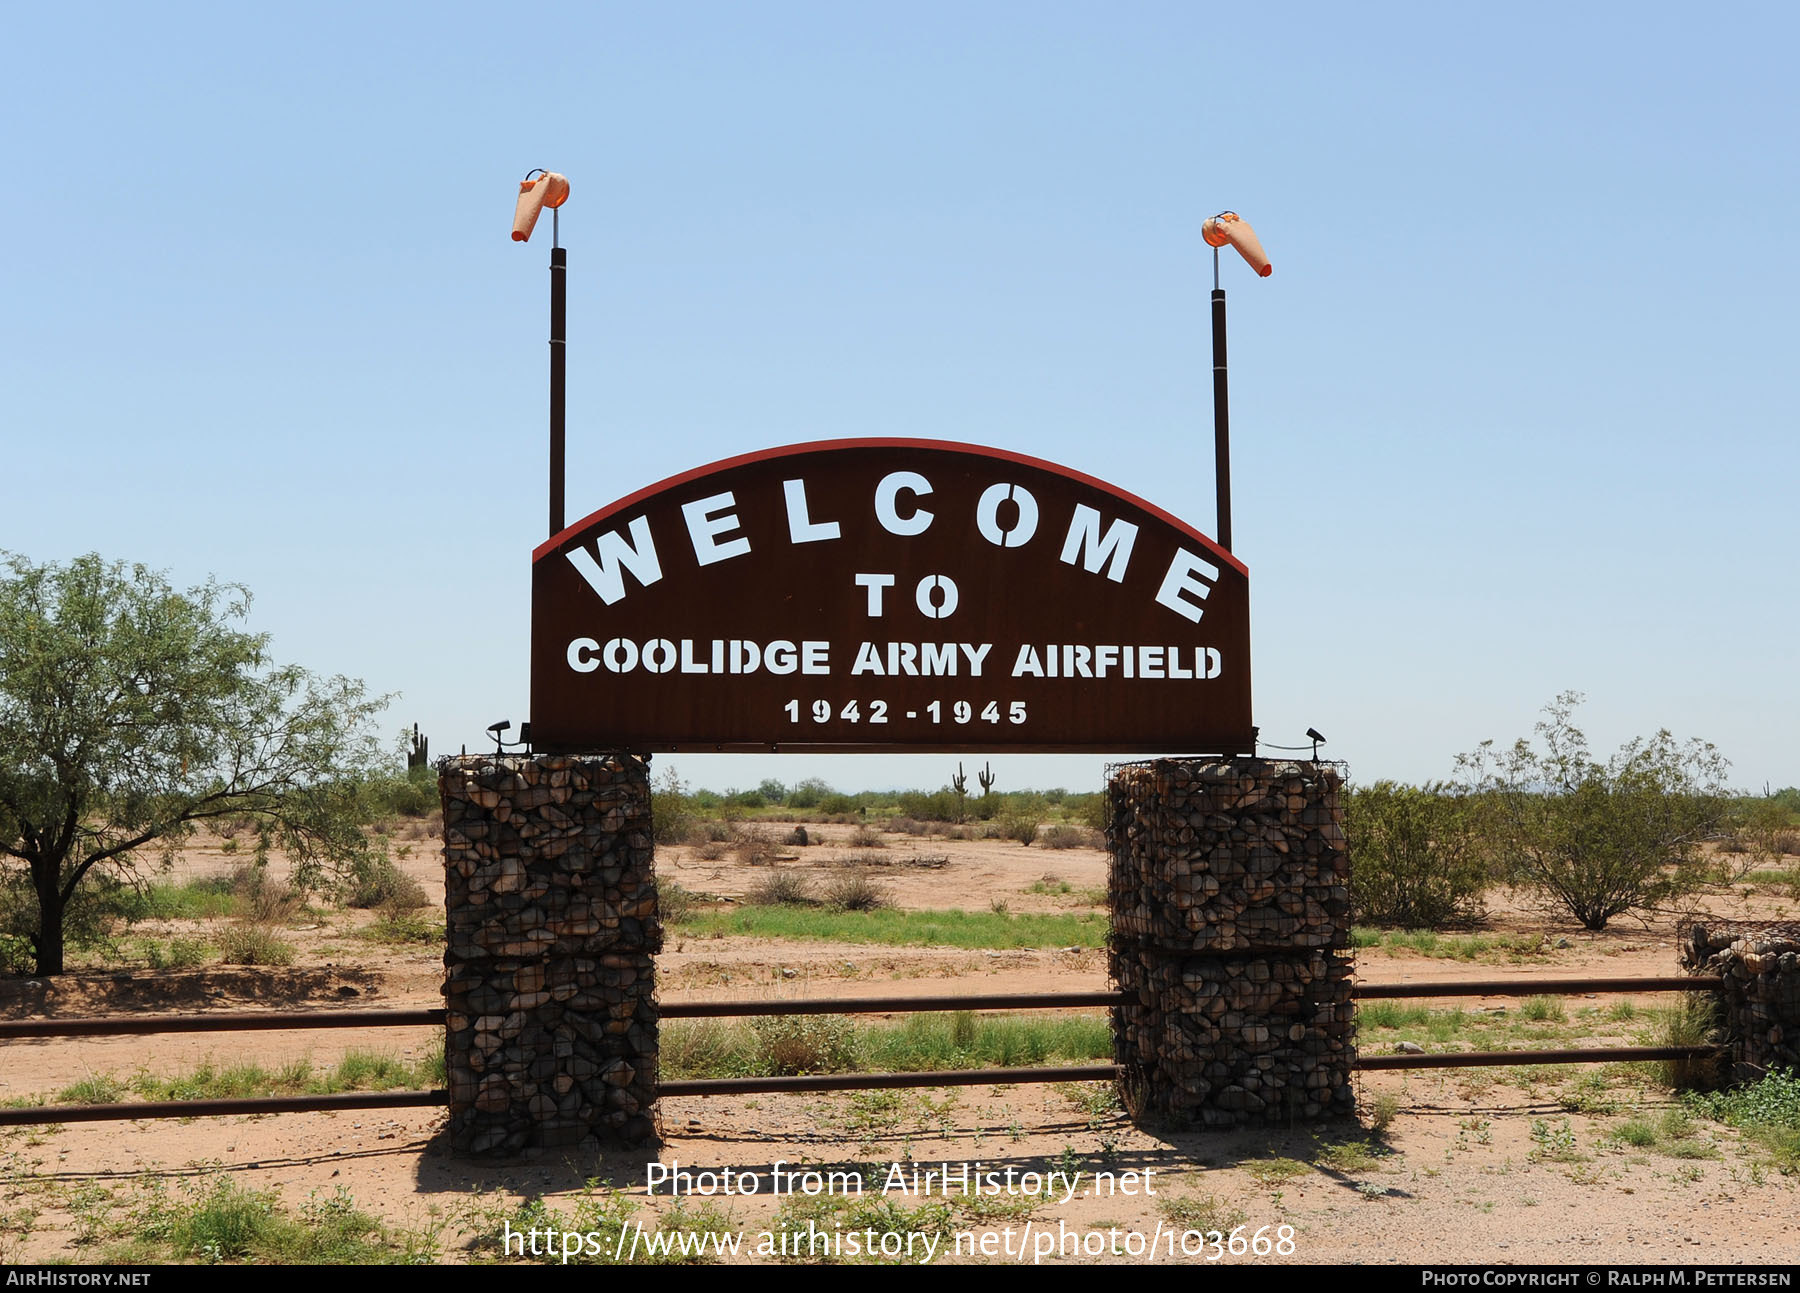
1221 412
1226 227
559 347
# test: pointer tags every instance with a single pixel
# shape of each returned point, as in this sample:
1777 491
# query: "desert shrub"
1020 822
674 903
907 826
782 888
1601 839
794 1044
261 897
177 954
837 804
855 891
712 850
932 806
866 837
377 882
1415 859
710 830
253 943
1691 1021
810 793
1072 837
753 846
672 811
745 799
413 793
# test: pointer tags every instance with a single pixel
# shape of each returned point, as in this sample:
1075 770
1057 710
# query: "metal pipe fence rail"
301 1020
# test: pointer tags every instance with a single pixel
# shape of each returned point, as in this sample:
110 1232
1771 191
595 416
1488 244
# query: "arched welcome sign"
888 594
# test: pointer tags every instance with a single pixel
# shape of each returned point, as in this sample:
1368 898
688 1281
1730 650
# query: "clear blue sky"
1515 414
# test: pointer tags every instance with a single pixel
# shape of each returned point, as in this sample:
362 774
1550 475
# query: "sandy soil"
1457 1176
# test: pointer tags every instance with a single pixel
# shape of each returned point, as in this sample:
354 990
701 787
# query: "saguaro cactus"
419 755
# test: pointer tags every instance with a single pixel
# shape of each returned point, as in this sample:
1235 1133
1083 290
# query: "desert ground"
1567 1164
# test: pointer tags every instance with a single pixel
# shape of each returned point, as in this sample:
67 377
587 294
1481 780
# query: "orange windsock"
1228 227
548 190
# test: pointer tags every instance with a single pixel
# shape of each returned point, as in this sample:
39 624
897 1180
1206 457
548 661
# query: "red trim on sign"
593 519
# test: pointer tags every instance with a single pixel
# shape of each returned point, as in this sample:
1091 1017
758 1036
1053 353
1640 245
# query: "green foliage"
1601 839
222 1221
1691 1021
673 813
377 882
1767 1112
1020 819
1414 859
782 887
251 943
895 928
853 891
809 793
794 1044
178 954
131 712
412 794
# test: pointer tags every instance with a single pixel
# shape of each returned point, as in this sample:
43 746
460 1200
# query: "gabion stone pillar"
1230 889
1760 963
552 933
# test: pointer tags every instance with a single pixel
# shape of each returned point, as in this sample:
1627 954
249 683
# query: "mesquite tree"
1600 839
131 712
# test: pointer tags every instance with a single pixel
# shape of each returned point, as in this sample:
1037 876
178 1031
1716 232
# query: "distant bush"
252 943
1072 837
177 954
672 812
854 891
794 1044
378 882
1414 859
674 903
262 897
865 837
782 888
1602 839
810 793
1021 819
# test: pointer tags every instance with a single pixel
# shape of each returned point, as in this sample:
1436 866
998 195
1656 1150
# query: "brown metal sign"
858 595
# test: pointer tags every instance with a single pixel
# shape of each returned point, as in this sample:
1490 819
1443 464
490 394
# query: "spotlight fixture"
1313 734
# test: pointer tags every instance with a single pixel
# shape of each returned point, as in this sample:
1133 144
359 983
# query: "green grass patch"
356 1071
923 1042
1273 1171
1348 1156
1496 948
209 898
217 1220
894 928
1768 1113
1205 1215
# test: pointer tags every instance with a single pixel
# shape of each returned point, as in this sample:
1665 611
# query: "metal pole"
1221 412
559 314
